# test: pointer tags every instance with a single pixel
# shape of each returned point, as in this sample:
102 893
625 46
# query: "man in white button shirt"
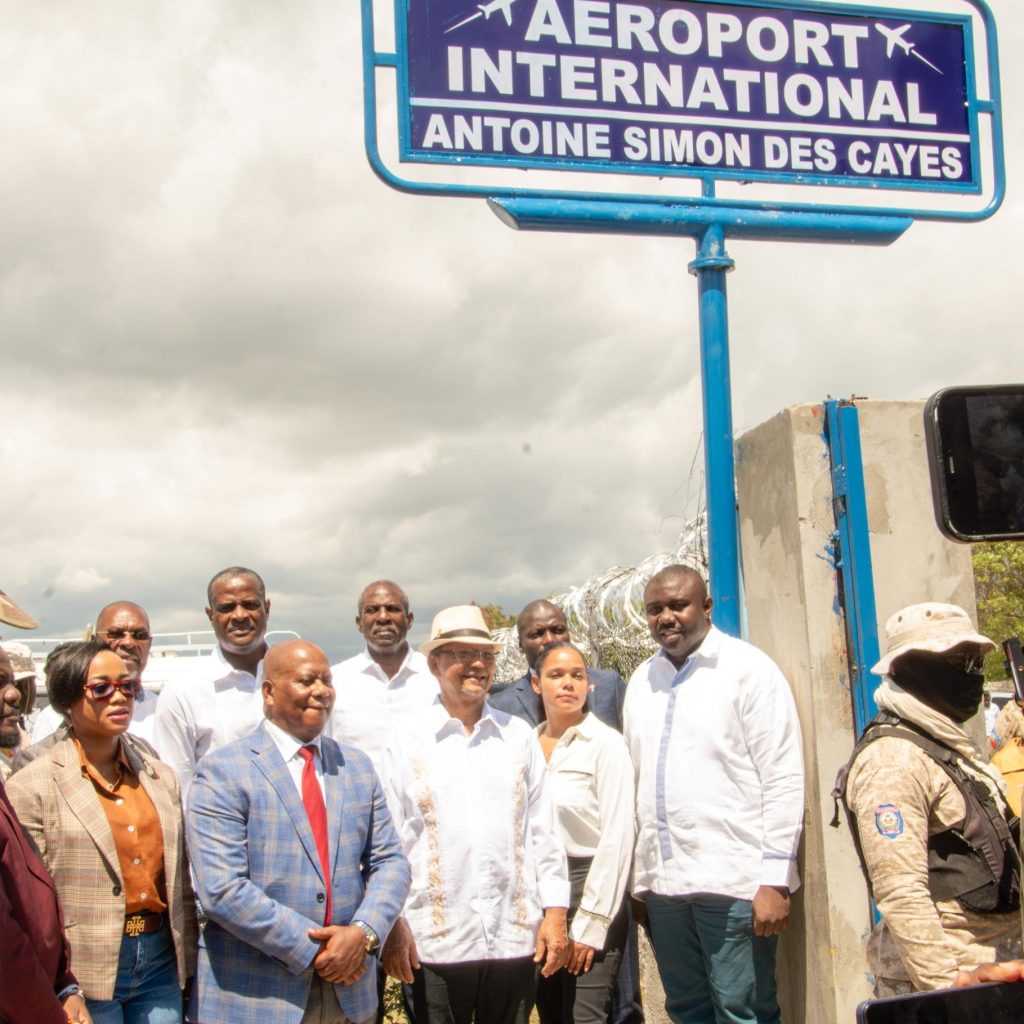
467 790
386 680
712 729
198 714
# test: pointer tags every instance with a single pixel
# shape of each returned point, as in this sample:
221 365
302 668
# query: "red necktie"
316 811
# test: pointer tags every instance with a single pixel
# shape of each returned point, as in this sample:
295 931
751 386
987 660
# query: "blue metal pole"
710 267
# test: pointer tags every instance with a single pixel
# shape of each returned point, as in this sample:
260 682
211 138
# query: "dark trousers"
714 968
627 1007
565 998
487 991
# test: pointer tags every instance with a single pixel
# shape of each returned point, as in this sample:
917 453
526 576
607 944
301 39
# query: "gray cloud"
224 340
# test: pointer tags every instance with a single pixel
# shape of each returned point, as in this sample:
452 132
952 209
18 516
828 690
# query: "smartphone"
993 1003
975 439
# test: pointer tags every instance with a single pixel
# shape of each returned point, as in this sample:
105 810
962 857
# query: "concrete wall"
793 612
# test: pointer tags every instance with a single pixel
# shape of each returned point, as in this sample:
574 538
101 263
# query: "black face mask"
942 686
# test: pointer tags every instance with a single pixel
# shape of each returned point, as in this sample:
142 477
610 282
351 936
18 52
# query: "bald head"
288 652
540 623
124 625
298 693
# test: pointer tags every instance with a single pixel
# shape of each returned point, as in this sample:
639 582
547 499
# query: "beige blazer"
62 816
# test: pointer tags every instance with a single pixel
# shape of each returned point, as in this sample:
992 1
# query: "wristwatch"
372 938
70 990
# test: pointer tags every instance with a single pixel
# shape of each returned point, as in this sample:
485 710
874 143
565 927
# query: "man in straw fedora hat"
929 817
466 787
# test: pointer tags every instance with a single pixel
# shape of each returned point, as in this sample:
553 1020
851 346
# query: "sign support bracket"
708 228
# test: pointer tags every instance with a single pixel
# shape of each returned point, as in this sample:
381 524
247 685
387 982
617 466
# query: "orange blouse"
138 836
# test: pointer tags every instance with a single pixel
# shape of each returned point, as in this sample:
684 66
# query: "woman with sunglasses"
107 821
591 779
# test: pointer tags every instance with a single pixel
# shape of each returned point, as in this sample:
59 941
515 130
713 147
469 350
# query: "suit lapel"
80 795
334 786
528 699
269 761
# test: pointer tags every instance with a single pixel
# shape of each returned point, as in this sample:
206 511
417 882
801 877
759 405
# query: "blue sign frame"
415 61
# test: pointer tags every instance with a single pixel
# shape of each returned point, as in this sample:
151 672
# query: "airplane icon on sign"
485 11
894 38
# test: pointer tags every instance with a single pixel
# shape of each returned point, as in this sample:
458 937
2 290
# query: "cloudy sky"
224 340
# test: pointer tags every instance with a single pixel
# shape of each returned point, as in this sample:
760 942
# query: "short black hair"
233 572
545 652
390 584
541 604
676 572
67 669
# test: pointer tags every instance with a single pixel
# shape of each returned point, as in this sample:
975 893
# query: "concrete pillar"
794 614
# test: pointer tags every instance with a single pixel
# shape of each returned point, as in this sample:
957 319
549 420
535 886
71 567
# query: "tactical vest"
976 861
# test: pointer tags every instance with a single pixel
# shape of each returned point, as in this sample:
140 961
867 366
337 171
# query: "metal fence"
605 613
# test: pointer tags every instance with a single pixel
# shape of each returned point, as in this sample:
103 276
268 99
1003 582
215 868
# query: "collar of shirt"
227 677
583 729
369 667
288 744
444 724
708 651
90 772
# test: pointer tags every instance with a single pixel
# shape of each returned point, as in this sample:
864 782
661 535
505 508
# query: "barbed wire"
605 613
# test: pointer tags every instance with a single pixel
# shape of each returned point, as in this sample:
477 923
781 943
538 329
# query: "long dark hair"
538 665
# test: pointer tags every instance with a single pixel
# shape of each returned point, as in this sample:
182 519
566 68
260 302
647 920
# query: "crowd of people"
275 835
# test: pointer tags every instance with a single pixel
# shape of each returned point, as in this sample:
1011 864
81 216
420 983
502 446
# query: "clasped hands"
342 956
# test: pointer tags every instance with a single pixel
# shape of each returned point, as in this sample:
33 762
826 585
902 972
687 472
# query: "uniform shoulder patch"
889 821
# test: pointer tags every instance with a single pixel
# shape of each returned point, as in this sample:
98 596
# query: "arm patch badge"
889 821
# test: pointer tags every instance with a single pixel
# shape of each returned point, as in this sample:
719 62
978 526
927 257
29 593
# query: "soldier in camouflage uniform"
920 799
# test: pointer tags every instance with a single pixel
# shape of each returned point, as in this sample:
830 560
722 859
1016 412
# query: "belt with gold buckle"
143 924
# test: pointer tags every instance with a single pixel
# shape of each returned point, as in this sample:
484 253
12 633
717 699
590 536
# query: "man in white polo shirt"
222 701
386 680
712 729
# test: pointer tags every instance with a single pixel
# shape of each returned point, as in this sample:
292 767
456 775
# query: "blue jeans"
146 990
714 968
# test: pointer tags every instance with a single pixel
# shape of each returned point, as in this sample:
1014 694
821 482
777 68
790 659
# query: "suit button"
320 897
117 890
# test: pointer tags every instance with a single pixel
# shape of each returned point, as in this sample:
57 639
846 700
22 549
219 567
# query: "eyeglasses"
468 657
113 635
969 663
131 689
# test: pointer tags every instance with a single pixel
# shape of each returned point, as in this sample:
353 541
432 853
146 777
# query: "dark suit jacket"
33 950
605 699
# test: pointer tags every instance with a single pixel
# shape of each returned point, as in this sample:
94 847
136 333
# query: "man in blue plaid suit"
284 943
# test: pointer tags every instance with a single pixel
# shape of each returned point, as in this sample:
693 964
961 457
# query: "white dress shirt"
717 753
591 780
367 703
477 824
204 712
289 747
